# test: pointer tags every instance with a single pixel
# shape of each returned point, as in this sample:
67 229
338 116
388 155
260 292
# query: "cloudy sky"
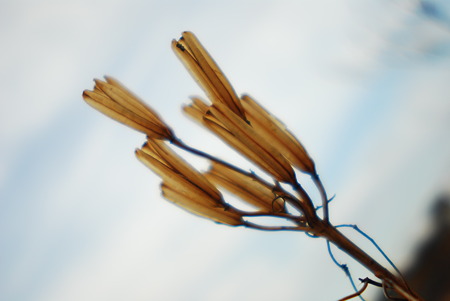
363 84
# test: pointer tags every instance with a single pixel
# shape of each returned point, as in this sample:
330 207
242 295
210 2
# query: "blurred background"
365 85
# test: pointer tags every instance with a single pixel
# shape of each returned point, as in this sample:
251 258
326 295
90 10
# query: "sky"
363 85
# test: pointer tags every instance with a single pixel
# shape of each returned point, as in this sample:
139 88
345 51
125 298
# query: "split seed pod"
271 129
185 186
114 100
253 191
206 72
242 137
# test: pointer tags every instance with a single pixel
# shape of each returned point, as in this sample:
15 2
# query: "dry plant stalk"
255 133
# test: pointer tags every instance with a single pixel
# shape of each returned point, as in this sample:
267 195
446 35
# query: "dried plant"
256 134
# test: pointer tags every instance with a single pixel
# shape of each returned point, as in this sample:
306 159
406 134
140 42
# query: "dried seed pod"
207 73
159 150
184 185
271 129
243 138
250 189
191 204
114 100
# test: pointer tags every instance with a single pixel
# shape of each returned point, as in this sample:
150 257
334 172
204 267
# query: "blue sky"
364 85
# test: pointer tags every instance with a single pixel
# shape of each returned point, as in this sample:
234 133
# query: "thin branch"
356 228
323 195
182 145
308 206
358 293
273 228
270 214
329 201
345 269
370 281
294 202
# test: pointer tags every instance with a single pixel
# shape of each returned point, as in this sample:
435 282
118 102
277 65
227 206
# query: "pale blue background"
364 84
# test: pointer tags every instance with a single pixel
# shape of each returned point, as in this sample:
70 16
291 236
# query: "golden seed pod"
250 189
191 204
185 186
242 137
206 72
271 129
114 100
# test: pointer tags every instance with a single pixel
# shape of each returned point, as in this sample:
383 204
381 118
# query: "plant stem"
294 202
358 293
182 145
323 195
321 227
327 231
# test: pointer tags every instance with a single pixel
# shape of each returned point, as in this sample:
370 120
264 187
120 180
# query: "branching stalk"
316 226
293 202
342 242
258 136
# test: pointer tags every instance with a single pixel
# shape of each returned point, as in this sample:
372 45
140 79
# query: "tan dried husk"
114 100
271 129
242 137
184 185
253 191
189 203
206 72
174 166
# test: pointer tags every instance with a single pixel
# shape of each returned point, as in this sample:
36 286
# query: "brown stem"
308 207
323 196
358 293
272 228
291 217
322 228
182 145
293 201
327 231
